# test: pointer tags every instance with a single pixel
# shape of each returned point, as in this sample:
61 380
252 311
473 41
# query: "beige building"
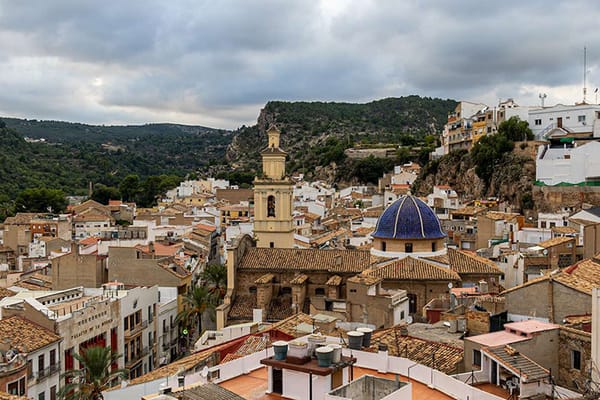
273 195
77 269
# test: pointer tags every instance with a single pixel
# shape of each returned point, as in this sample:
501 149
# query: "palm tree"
216 277
94 376
195 303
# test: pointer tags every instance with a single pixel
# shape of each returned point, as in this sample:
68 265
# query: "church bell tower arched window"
271 206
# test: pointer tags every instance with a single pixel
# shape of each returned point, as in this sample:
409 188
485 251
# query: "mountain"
316 134
72 155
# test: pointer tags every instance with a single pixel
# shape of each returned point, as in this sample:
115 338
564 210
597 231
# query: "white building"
579 118
442 200
168 335
573 165
138 330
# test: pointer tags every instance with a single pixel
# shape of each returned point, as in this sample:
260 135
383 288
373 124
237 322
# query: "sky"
217 63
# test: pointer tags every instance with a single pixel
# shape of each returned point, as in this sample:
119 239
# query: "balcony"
137 329
47 372
135 358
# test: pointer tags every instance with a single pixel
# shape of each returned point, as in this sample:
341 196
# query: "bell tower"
273 192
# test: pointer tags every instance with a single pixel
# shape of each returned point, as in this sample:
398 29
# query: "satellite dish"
204 372
409 319
545 252
450 285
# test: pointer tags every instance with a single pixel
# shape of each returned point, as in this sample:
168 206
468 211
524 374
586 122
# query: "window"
476 357
53 393
408 248
543 224
271 206
402 314
433 246
41 364
126 323
16 387
383 246
42 396
538 122
581 118
52 357
319 291
271 244
576 359
252 289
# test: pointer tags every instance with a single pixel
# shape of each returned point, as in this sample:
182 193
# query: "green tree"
196 303
515 129
41 200
102 193
130 187
215 275
487 153
94 376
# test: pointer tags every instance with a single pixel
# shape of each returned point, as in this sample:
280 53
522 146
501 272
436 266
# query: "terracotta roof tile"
582 276
299 279
26 335
289 325
334 280
441 356
6 293
499 216
413 269
266 278
328 236
337 261
464 262
365 279
242 307
564 229
555 241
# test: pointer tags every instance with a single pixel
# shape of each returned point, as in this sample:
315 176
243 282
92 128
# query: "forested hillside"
73 155
316 135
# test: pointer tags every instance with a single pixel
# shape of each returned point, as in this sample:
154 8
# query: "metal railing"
135 358
136 329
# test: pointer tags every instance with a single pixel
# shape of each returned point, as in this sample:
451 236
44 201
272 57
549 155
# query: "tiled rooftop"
334 280
349 261
415 269
6 293
25 335
465 262
441 356
555 242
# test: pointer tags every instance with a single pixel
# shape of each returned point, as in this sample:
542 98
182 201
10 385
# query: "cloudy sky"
216 63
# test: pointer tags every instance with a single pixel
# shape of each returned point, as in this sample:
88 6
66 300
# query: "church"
269 279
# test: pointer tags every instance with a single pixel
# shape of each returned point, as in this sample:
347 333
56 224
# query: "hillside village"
315 291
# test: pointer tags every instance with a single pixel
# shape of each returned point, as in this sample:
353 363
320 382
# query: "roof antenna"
584 72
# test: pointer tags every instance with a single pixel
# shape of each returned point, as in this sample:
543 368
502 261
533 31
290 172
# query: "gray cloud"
216 63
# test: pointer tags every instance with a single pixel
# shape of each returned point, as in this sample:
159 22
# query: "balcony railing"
136 329
135 358
48 371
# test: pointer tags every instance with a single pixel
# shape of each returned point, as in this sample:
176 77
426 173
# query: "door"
559 122
412 303
494 377
277 381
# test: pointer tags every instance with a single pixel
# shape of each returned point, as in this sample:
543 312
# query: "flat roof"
531 326
254 385
499 338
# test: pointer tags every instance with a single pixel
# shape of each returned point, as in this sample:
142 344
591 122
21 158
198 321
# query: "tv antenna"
542 97
584 73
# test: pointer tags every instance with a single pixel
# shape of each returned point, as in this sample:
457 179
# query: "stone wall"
553 199
570 340
478 322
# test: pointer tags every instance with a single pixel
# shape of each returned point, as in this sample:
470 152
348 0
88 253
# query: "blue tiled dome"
408 218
